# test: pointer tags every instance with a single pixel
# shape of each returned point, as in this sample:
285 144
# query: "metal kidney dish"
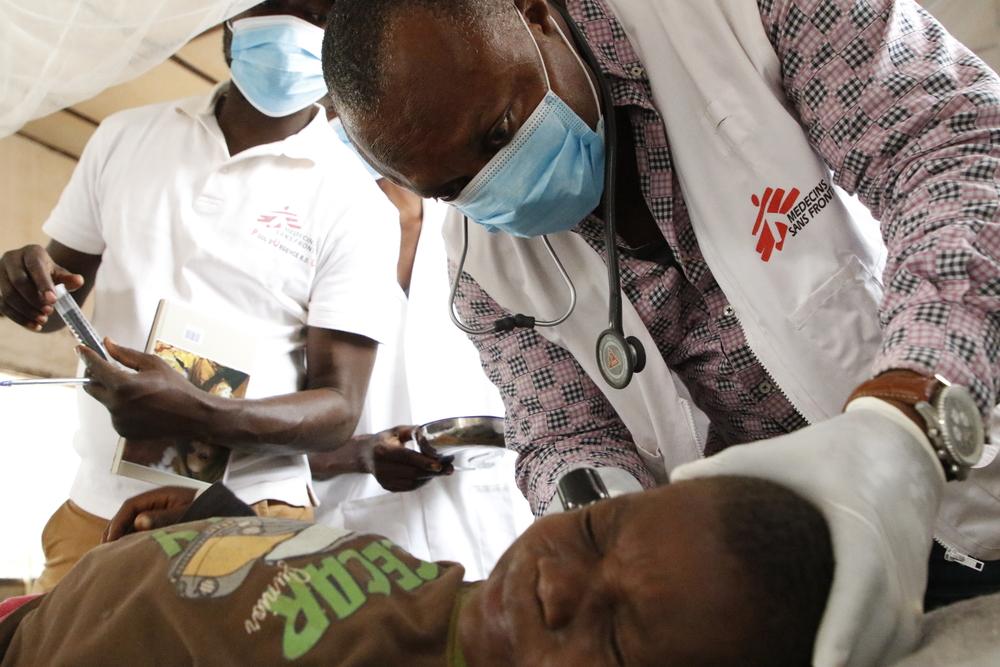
458 431
472 441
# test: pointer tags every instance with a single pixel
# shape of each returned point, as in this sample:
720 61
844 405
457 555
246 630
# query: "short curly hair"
782 544
358 34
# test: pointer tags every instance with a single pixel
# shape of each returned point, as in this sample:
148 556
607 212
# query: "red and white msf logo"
277 218
770 232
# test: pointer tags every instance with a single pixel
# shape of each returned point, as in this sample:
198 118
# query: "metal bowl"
454 431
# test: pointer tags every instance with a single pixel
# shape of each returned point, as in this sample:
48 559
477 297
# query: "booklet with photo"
216 357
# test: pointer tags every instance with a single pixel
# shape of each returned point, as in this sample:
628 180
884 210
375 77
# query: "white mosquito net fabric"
55 53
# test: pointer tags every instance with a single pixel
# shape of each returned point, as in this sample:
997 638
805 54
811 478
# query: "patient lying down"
721 571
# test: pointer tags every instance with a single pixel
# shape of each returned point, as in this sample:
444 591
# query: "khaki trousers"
280 510
71 532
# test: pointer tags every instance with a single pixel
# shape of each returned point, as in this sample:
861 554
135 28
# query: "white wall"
975 22
37 461
37 464
31 179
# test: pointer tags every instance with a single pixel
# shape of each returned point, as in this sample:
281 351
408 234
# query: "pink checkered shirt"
905 116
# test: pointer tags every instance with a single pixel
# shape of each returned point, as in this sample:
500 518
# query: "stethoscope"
619 357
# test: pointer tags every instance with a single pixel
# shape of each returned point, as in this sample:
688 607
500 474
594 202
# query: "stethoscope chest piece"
619 358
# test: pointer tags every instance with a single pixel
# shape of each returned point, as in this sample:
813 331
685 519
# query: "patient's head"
718 571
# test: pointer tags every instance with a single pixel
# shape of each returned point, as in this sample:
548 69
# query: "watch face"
961 425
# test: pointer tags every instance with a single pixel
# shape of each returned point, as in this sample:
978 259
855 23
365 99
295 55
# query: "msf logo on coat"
770 230
780 214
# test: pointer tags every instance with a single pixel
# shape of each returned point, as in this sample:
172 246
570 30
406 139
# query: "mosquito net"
55 53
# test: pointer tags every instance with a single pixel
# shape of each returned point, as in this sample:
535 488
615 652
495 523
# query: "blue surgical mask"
547 179
276 63
338 127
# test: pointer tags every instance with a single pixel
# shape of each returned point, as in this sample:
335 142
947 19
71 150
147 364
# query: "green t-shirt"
244 591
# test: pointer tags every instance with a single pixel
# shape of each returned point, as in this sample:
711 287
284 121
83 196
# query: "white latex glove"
873 475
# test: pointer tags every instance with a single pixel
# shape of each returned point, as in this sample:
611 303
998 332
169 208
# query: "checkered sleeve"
557 418
909 119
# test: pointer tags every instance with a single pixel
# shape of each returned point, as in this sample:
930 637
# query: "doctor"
699 137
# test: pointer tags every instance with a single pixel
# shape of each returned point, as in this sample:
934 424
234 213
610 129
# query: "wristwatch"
945 411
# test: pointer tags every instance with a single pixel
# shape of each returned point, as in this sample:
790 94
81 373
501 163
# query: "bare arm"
411 217
386 456
321 417
348 458
156 402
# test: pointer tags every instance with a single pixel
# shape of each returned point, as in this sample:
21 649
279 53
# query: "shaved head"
360 42
430 90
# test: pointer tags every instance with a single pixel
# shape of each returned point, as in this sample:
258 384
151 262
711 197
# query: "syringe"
43 381
74 318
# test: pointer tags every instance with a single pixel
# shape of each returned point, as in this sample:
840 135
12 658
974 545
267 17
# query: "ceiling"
197 67
200 65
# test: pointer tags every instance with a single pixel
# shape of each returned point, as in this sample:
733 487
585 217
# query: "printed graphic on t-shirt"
334 573
282 230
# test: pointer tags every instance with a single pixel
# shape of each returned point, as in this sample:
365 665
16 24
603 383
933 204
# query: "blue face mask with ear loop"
550 175
338 127
276 63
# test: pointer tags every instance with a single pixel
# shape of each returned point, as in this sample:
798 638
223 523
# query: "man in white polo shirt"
244 205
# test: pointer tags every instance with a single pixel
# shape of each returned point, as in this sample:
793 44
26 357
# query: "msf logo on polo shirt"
281 229
278 218
780 213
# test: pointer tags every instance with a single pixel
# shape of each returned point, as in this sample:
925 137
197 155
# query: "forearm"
348 458
941 224
156 402
314 420
410 226
411 216
944 326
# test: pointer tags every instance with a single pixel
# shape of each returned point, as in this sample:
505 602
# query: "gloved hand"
873 475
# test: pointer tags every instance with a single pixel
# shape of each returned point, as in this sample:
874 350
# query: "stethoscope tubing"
479 331
608 209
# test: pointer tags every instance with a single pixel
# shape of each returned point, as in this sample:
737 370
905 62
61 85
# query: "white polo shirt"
280 237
